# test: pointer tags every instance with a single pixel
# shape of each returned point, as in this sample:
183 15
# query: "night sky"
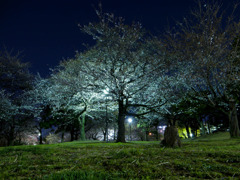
46 31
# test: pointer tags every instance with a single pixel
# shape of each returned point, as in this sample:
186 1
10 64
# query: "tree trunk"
82 126
187 129
193 132
10 142
202 126
106 131
121 121
76 135
233 120
208 125
19 139
157 134
147 135
62 138
72 133
104 135
10 139
106 126
171 137
40 137
114 132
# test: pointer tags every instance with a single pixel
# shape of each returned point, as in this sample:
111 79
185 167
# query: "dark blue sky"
46 30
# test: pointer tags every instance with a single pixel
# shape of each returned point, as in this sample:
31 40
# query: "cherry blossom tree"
206 43
123 60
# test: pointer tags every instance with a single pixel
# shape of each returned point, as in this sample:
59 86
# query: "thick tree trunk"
171 137
104 136
233 120
121 121
82 126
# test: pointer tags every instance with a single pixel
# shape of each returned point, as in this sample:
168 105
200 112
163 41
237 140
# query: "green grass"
210 157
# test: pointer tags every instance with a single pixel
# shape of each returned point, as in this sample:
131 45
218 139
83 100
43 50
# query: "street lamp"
130 121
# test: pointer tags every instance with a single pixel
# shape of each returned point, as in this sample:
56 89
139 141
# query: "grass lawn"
210 157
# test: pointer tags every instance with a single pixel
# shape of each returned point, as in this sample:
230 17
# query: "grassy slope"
210 157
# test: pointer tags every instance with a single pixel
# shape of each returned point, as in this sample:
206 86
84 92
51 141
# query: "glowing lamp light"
130 120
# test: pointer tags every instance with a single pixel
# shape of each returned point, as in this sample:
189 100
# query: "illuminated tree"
123 60
38 102
72 92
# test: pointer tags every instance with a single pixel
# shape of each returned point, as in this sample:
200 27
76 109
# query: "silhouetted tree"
15 80
204 42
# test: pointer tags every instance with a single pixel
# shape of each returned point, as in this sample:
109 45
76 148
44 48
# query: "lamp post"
130 121
105 91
